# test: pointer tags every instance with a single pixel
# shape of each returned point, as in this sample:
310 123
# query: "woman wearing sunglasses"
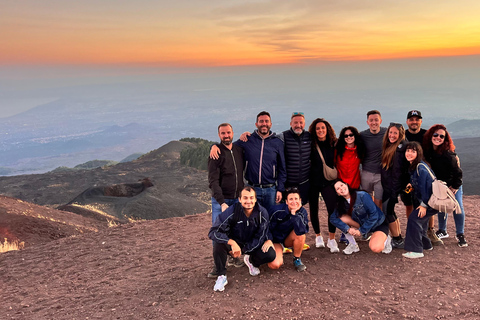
440 153
349 153
393 165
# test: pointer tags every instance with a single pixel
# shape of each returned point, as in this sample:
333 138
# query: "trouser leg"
258 257
220 252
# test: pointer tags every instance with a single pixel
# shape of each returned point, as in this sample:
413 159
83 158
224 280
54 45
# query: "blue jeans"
459 218
266 197
217 208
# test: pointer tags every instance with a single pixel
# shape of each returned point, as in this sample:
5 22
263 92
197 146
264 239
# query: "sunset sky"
186 33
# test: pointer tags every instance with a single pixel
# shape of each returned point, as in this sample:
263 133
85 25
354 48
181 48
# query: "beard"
227 141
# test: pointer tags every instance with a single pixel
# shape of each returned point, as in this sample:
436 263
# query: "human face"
349 138
225 134
342 189
414 124
393 134
297 124
293 202
410 155
321 130
263 125
438 141
374 121
248 199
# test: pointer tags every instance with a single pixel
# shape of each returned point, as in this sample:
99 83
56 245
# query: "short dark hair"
369 113
414 145
225 124
248 189
263 113
291 190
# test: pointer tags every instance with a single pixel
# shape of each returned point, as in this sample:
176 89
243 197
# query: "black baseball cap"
414 113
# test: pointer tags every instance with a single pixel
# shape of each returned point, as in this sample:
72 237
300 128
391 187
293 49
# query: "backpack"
442 198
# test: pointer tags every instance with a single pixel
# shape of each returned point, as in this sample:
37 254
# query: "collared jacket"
364 212
392 180
225 175
446 168
348 167
421 181
282 222
264 160
248 232
297 156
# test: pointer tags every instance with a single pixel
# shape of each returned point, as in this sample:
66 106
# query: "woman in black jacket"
440 154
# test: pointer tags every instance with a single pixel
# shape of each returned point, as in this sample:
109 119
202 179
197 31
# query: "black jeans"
330 197
257 257
416 239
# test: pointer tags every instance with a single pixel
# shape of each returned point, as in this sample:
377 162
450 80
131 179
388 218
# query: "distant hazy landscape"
124 113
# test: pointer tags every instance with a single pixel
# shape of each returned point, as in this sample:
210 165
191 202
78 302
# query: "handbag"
442 198
329 173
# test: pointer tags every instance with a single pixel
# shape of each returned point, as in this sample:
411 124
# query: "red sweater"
349 167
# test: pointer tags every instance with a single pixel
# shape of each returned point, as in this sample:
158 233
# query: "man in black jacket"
225 178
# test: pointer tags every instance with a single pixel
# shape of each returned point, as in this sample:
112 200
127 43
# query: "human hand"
236 251
214 152
422 211
278 197
244 136
224 206
266 245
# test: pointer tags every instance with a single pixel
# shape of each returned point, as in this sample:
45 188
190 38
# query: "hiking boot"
433 237
221 283
332 245
388 245
351 248
254 271
398 243
462 243
297 262
343 239
236 262
319 242
213 273
441 234
413 255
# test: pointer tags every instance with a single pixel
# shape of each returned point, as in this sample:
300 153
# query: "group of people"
260 183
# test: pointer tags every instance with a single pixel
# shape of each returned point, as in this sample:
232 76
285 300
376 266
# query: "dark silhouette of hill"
177 190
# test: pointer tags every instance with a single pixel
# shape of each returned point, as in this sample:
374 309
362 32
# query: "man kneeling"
288 226
242 228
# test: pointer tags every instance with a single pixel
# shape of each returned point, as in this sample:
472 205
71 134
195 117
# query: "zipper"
236 175
261 163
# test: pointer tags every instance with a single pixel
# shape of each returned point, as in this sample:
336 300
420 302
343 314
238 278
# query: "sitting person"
241 228
357 215
288 226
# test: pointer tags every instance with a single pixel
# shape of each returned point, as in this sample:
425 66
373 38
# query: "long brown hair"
389 149
447 142
331 137
343 207
414 145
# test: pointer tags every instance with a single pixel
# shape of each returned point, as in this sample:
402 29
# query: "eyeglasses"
395 124
437 135
349 135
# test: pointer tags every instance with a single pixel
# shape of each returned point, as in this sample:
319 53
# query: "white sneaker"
388 245
351 248
332 244
254 271
221 283
319 242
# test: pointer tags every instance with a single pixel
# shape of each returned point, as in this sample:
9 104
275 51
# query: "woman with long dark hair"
393 165
440 154
323 141
416 239
348 157
357 215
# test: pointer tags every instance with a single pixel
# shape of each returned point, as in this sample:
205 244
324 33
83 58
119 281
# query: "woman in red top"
349 153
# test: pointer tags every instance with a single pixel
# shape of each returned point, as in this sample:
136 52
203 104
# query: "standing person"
288 228
357 215
264 162
323 140
225 179
393 165
297 155
349 152
372 162
242 228
416 239
440 153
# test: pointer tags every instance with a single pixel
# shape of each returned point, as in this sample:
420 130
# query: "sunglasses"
437 135
349 135
292 189
395 124
297 114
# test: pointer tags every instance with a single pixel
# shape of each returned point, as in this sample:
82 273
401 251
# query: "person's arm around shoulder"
282 171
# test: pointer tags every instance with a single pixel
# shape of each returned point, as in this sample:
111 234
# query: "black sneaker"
398 243
236 262
441 234
213 273
461 240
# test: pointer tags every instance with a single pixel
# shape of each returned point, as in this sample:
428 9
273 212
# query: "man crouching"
243 227
288 226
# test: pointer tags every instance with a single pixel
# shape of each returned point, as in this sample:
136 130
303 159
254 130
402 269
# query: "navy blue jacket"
282 222
248 232
392 181
264 160
421 181
365 212
297 156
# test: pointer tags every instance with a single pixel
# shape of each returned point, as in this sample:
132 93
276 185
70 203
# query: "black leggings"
257 257
330 197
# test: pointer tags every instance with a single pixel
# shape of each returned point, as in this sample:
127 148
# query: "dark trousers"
330 197
416 239
257 257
